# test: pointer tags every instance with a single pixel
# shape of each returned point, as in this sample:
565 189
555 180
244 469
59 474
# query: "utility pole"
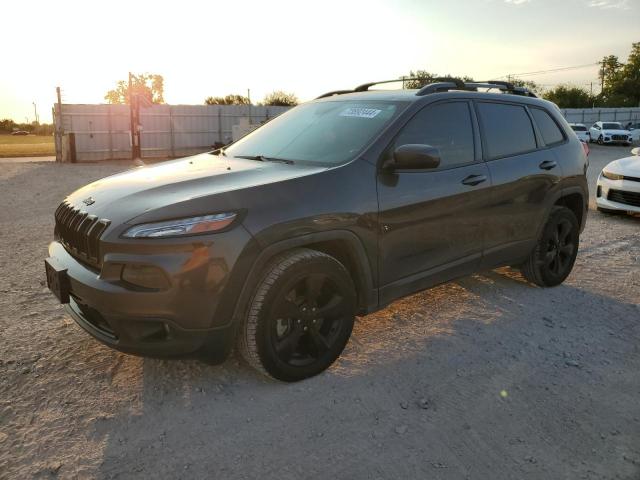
35 112
59 127
249 98
133 113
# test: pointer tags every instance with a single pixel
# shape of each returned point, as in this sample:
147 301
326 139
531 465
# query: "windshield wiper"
262 158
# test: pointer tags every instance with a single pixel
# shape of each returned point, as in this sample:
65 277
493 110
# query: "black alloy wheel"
301 316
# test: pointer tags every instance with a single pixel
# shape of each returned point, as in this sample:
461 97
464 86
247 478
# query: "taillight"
585 147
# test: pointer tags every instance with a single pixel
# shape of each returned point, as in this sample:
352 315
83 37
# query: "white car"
610 132
581 131
618 187
634 128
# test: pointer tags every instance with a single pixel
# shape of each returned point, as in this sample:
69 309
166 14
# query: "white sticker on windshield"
360 112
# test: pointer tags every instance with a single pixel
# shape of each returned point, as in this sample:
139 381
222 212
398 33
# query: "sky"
215 47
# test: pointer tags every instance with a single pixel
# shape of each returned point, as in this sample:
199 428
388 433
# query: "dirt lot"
485 377
26 146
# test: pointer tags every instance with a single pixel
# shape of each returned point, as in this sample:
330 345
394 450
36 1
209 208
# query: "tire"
607 211
300 317
600 140
552 259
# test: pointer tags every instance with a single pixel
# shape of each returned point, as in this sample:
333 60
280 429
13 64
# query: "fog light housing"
145 276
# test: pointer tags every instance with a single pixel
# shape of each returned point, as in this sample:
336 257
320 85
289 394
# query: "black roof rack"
365 87
444 85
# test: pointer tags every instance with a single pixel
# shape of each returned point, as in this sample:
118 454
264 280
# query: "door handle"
548 165
474 180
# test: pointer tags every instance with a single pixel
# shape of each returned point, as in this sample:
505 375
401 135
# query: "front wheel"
300 317
553 257
600 140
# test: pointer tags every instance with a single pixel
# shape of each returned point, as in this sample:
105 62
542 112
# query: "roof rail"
334 92
436 87
365 87
444 85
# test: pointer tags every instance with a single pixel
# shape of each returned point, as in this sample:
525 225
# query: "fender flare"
557 195
368 295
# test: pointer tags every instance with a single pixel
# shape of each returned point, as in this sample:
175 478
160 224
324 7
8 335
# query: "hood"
628 166
126 195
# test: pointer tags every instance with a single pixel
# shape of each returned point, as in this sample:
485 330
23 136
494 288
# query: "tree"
280 98
566 96
149 87
621 81
7 125
228 100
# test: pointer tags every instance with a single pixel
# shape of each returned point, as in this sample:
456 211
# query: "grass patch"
26 146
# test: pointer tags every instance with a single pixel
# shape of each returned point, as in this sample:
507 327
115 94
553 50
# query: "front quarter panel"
340 198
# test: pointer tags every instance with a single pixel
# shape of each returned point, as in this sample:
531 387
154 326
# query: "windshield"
579 128
320 133
612 126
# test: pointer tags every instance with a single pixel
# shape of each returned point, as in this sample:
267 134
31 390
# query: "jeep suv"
334 209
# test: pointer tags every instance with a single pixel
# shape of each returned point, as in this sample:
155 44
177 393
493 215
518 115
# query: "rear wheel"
300 317
553 257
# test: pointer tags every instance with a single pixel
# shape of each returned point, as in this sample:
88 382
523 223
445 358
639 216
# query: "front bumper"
191 317
620 141
604 187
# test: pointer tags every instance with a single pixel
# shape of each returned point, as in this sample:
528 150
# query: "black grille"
80 232
628 198
619 137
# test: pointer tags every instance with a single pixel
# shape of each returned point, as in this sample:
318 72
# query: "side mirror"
414 157
635 151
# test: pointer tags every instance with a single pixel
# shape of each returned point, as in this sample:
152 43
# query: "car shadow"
486 376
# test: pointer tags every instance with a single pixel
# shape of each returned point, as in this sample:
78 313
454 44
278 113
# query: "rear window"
507 129
579 128
549 129
612 126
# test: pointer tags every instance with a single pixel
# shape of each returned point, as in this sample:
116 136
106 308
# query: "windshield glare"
321 133
612 126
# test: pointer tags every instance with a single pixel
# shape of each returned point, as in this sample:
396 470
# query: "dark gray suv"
334 209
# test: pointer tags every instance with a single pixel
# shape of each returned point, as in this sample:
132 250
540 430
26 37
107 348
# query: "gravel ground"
485 377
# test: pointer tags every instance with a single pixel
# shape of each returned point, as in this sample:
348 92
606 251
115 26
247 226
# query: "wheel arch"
343 245
573 199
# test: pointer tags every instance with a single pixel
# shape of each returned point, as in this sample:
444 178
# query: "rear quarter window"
551 133
507 129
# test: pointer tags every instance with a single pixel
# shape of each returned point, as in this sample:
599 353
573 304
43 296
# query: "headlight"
182 226
611 176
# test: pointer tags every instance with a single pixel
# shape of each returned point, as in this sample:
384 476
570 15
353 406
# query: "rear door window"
446 126
549 129
507 129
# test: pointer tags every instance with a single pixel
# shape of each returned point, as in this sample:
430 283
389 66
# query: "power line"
552 70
